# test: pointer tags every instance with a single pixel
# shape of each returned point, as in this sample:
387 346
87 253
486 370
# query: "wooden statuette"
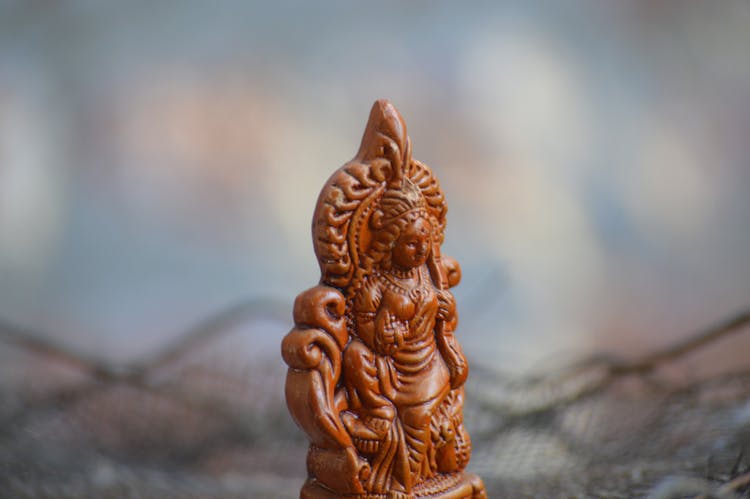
375 373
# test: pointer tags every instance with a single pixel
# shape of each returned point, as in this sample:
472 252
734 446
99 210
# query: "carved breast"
399 304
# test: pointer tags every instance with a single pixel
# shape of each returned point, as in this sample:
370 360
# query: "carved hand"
389 333
446 305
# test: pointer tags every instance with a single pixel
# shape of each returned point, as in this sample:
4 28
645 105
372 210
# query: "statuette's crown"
398 202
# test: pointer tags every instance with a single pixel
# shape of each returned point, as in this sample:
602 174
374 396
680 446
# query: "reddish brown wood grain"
376 373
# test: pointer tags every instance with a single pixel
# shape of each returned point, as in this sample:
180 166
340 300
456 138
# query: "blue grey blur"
160 161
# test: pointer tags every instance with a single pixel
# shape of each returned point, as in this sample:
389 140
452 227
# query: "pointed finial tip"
384 121
385 108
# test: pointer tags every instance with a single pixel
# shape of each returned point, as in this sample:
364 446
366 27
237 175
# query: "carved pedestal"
460 486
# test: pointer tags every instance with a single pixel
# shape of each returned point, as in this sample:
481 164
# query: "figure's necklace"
396 277
405 274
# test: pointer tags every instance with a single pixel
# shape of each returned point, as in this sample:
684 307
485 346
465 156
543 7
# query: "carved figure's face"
413 245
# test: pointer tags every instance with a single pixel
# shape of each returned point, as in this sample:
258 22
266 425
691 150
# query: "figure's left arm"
447 309
449 347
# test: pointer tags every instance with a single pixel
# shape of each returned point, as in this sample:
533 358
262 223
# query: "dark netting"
199 420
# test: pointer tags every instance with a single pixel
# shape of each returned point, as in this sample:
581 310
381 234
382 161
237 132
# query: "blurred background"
160 161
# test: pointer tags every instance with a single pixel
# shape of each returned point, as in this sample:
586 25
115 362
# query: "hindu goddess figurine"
375 373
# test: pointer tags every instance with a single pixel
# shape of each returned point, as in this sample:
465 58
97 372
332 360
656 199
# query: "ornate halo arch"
341 223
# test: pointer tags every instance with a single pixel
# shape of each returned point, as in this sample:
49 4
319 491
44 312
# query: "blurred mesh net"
199 419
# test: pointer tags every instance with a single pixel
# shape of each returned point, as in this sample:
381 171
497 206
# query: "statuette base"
456 486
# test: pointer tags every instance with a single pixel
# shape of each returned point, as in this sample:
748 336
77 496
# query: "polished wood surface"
376 374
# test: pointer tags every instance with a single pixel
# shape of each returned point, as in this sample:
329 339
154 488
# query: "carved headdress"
382 183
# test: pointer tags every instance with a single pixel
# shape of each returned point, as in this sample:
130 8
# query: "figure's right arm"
376 325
